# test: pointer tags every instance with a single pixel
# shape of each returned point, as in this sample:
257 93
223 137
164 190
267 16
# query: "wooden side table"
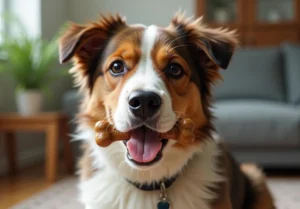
54 124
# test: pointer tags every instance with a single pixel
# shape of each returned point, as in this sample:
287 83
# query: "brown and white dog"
143 80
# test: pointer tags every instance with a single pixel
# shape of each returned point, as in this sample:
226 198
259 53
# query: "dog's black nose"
144 104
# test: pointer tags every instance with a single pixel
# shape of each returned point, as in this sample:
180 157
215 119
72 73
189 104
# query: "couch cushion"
253 73
292 66
250 122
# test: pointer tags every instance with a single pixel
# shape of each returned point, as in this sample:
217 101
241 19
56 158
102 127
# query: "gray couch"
257 107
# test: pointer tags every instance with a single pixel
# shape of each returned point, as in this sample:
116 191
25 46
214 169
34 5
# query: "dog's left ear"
217 44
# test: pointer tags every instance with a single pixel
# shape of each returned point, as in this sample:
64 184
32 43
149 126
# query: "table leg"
51 151
68 156
10 143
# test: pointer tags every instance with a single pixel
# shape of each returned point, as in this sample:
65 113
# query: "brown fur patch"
195 42
97 105
106 98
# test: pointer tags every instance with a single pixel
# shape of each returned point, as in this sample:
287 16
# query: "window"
28 12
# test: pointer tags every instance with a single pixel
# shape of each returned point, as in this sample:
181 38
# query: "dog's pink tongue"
144 144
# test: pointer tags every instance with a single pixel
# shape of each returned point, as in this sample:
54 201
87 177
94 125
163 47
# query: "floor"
14 189
20 187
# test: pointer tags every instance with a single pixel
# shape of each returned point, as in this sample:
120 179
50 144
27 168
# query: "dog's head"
144 79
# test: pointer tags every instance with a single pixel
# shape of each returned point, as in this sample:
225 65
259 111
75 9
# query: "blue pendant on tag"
163 204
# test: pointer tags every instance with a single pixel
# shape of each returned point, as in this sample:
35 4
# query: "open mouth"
144 146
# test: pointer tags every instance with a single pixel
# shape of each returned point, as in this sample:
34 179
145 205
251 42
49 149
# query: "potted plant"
29 60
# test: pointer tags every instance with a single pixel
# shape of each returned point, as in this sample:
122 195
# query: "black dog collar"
155 185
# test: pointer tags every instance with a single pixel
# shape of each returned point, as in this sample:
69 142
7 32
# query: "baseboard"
25 159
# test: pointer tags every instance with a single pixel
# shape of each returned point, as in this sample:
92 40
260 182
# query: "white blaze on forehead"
148 41
145 71
145 77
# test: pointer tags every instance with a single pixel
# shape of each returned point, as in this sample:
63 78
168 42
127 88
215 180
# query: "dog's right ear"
217 45
84 41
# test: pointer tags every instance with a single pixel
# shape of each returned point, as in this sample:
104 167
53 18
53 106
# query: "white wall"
53 15
28 12
137 11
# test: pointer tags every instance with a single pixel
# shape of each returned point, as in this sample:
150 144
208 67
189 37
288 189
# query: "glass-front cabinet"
275 11
258 22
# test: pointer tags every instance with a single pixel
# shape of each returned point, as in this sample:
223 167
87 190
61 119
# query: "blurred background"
257 106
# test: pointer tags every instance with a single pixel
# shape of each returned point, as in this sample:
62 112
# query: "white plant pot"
29 102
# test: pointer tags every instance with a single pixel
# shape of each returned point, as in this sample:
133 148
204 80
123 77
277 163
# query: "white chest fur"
108 189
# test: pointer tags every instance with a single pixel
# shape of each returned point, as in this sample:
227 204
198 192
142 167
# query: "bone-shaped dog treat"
105 134
183 132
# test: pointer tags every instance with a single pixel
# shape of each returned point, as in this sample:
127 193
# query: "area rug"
63 195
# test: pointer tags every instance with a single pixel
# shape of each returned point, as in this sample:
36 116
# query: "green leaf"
29 60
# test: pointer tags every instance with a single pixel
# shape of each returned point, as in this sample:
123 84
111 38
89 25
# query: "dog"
143 80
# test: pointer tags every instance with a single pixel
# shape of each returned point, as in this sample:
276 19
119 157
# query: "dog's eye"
117 68
174 70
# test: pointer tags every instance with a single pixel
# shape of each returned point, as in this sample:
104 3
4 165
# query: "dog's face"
143 80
